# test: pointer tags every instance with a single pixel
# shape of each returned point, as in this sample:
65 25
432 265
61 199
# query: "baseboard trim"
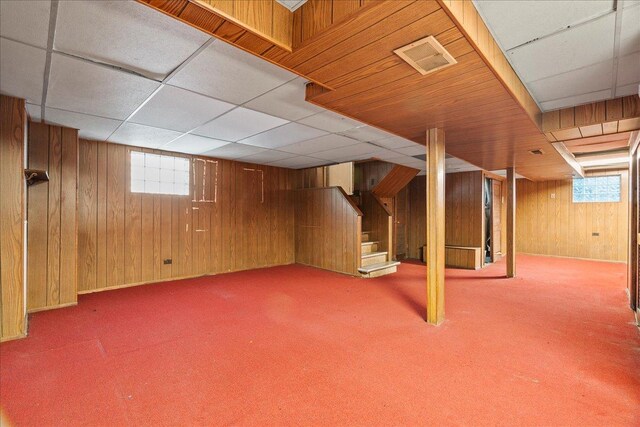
15 337
53 307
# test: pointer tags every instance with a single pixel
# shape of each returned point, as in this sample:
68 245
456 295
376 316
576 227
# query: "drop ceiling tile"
330 121
323 143
34 111
283 135
384 154
22 70
239 124
26 21
565 51
230 74
629 69
630 30
142 136
575 100
234 151
89 127
632 89
125 34
394 142
516 22
286 101
194 144
408 161
454 164
266 156
363 133
588 79
300 162
352 152
179 109
76 85
413 150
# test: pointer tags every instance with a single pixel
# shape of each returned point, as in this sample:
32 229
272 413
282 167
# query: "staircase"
374 263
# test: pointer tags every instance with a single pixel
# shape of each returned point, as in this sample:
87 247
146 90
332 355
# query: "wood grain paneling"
327 230
394 181
435 235
52 218
13 122
238 216
549 223
464 209
377 219
416 218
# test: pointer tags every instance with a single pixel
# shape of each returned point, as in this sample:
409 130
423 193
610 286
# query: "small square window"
156 174
596 189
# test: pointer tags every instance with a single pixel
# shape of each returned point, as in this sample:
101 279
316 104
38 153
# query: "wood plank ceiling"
352 59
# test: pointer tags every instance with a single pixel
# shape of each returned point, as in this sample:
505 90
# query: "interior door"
400 222
496 220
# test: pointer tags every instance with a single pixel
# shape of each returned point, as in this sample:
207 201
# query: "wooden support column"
511 222
632 263
435 226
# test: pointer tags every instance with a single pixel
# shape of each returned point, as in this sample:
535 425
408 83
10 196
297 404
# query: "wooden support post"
511 222
435 226
632 263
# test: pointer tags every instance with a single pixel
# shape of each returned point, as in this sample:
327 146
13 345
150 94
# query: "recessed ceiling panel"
76 85
315 145
286 101
234 151
179 109
142 136
230 74
516 22
283 135
21 70
578 47
330 121
239 124
125 34
193 144
26 21
89 127
591 78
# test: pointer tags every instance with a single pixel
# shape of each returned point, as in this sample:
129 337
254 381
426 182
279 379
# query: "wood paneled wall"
416 217
316 15
368 174
328 230
51 215
13 123
549 223
242 218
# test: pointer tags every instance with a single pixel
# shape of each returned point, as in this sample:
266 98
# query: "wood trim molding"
568 157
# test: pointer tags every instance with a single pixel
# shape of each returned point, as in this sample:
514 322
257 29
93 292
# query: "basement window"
158 174
596 189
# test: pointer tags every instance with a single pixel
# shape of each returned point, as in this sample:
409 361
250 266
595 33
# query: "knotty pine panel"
13 122
52 218
549 223
245 222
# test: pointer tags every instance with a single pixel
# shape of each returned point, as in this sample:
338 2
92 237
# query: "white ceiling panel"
286 101
89 127
179 109
575 100
26 21
630 30
283 135
125 34
583 45
629 69
409 162
516 22
228 73
34 111
394 142
193 144
323 143
234 151
632 89
352 152
330 121
454 164
76 85
142 136
595 77
300 162
266 156
239 124
412 150
364 133
21 70
384 154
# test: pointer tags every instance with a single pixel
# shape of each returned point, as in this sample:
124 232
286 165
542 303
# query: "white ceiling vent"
426 55
292 5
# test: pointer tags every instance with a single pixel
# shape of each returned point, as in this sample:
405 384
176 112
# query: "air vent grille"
537 152
426 55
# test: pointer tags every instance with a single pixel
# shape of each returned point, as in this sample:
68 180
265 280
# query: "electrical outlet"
168 261
553 195
595 234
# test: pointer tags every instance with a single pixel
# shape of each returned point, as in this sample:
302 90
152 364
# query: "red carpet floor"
299 346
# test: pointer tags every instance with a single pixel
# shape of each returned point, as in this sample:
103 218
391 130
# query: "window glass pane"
166 162
156 174
597 189
137 186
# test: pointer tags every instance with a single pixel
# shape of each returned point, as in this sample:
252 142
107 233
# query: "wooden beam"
435 226
632 262
568 157
511 222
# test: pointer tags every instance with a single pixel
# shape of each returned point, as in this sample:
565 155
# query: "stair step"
371 242
373 258
369 247
373 254
380 269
